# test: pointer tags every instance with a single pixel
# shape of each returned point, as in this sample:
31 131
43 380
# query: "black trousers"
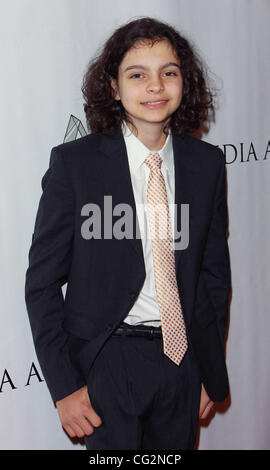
144 399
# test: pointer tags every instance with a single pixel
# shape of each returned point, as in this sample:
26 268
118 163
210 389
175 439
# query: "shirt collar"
137 151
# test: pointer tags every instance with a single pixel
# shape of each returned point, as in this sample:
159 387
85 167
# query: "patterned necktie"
172 321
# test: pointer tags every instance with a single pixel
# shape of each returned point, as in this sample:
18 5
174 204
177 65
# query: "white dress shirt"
146 310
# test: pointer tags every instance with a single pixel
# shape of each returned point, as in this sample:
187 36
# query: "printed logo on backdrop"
9 382
245 152
75 129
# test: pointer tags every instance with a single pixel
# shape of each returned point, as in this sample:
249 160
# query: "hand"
206 404
77 415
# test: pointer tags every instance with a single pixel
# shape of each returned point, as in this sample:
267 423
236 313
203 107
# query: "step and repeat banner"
45 48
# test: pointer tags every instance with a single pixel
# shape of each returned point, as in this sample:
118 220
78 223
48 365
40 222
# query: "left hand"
206 404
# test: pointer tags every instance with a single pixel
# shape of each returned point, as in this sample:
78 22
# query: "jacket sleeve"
49 262
215 268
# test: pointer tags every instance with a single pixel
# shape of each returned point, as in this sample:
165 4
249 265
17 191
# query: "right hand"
77 415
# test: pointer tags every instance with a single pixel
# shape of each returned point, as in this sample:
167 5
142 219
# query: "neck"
151 136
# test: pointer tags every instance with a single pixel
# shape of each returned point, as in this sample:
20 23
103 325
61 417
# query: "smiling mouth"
155 102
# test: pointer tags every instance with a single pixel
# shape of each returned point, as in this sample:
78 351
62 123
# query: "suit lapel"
117 180
185 183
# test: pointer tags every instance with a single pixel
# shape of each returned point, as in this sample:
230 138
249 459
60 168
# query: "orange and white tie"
172 321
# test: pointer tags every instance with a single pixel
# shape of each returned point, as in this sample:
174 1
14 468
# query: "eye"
173 73
136 75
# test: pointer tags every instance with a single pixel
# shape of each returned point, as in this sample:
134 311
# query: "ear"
115 89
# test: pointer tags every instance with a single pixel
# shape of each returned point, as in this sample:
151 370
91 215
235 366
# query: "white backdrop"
45 47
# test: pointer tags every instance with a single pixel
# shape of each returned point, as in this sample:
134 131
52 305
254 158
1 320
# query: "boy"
134 354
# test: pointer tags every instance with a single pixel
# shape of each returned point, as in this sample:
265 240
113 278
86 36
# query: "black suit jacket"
104 276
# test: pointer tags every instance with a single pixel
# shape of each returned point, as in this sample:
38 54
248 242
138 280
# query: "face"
149 83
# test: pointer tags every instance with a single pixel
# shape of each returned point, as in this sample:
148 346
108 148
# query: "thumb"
95 418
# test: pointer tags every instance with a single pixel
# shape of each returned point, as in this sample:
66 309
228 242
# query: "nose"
155 85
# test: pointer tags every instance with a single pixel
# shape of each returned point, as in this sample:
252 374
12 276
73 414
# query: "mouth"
154 104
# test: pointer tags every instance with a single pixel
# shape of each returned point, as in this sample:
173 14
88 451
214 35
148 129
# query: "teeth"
155 102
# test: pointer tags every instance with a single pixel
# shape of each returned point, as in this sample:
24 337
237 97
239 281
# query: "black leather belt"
138 330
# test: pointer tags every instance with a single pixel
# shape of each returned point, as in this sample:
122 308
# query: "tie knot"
154 161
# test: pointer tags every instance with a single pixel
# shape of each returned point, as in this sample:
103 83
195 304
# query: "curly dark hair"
104 114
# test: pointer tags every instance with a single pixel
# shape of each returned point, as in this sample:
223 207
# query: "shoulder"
202 147
75 153
200 153
79 145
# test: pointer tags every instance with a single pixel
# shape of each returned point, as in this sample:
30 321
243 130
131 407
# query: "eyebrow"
169 64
